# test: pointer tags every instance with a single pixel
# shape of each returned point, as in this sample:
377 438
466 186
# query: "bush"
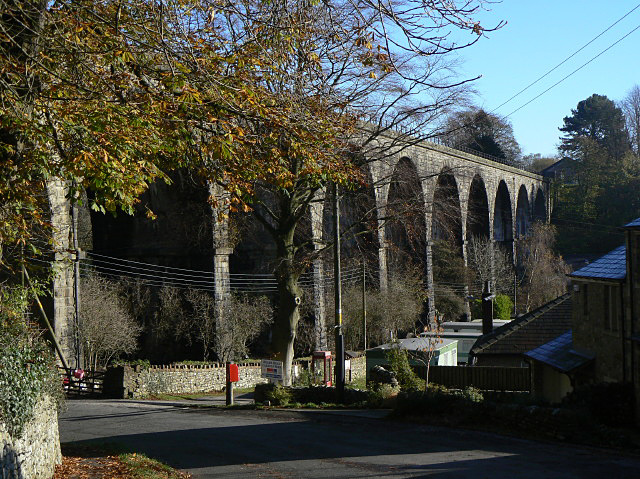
472 394
274 393
399 364
382 395
439 400
449 304
502 307
311 396
304 379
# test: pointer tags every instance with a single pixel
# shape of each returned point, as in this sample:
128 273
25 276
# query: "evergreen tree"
597 118
605 192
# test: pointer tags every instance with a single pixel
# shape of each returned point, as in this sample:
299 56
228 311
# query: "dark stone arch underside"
523 213
478 210
502 218
405 226
359 223
540 207
447 218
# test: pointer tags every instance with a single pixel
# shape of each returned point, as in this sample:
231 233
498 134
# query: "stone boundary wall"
183 379
358 367
34 454
136 382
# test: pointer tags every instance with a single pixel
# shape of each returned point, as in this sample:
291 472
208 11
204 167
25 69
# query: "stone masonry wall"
185 379
63 297
34 454
358 367
128 382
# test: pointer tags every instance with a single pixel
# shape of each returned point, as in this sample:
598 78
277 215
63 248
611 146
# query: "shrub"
274 393
399 364
312 396
383 395
304 379
438 400
450 305
502 307
472 394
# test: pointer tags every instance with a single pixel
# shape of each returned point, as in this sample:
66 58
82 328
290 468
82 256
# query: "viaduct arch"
462 195
458 194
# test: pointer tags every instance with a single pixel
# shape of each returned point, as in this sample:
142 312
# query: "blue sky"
539 35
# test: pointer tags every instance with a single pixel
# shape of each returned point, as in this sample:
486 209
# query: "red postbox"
232 373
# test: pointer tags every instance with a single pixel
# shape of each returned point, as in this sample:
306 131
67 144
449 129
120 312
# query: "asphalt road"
273 444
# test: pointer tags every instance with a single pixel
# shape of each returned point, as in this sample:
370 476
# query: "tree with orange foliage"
272 100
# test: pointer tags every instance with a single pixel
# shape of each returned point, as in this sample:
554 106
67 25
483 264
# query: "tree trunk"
288 315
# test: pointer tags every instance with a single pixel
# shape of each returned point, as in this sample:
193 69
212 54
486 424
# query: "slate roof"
612 265
528 331
559 354
634 224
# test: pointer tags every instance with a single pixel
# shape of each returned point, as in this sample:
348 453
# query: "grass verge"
113 461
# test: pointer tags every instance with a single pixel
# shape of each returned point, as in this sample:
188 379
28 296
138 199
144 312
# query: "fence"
480 377
88 385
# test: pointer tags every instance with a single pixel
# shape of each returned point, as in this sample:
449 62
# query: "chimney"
487 308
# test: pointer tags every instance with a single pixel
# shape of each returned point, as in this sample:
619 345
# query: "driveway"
215 443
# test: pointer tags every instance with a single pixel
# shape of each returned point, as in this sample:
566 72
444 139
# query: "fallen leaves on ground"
92 468
90 463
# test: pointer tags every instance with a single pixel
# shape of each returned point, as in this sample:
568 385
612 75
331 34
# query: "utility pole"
338 297
76 282
364 303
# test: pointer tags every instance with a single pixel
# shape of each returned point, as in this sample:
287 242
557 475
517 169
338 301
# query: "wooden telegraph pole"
338 298
364 304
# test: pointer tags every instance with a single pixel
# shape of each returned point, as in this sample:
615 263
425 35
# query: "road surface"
283 444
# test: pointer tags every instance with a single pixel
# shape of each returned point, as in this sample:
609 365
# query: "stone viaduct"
484 196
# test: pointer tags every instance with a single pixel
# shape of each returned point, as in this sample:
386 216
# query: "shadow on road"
370 448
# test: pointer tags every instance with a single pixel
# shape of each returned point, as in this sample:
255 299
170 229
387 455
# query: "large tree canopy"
604 190
271 100
631 109
598 119
484 132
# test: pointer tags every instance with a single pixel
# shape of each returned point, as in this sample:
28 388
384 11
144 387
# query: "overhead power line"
567 58
574 71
